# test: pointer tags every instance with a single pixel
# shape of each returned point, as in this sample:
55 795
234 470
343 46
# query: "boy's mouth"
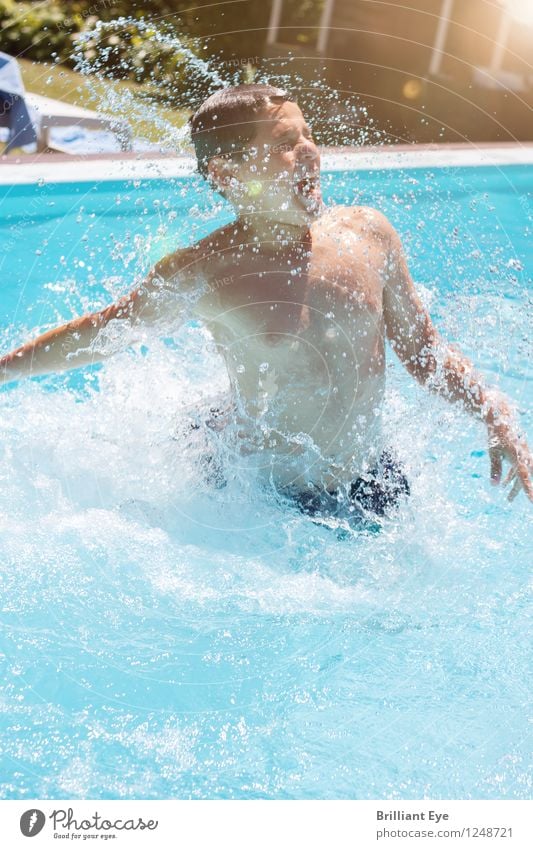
307 191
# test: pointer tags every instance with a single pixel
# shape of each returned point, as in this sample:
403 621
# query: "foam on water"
214 644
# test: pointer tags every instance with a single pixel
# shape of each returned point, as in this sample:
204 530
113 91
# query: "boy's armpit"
170 290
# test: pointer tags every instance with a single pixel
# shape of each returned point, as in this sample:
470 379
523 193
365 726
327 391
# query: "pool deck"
75 168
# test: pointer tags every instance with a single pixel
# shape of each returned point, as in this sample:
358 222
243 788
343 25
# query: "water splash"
99 58
336 118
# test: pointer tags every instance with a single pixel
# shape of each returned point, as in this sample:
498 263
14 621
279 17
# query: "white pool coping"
79 168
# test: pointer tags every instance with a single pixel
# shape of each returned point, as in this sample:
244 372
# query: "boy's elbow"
421 368
419 362
122 309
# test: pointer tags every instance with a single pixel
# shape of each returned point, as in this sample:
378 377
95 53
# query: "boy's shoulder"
364 218
194 261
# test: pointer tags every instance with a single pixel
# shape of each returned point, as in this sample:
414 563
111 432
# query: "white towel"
22 123
10 76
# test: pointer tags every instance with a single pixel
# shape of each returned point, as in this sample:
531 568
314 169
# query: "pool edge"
64 168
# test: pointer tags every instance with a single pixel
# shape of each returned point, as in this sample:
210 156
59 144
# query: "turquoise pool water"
160 640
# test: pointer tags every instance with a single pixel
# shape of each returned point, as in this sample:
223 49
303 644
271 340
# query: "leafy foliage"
35 30
149 41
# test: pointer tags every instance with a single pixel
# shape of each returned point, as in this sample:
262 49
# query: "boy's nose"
307 151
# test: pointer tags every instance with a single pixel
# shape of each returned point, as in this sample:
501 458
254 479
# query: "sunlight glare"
520 10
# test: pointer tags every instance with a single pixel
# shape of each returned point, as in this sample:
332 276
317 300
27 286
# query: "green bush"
35 31
134 50
130 47
6 9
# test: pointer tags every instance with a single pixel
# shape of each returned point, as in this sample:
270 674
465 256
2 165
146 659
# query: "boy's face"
278 175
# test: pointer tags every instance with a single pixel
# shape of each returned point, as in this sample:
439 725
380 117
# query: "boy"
299 300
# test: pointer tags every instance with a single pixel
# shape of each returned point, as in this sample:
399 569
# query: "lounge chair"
55 113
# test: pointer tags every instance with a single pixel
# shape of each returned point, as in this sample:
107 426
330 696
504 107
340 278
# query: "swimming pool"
160 640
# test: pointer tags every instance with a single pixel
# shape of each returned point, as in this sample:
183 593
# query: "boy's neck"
272 233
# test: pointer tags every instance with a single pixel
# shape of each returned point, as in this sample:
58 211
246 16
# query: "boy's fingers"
515 489
522 482
495 455
510 475
523 473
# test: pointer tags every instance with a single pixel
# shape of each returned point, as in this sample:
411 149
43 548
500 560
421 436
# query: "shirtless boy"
299 300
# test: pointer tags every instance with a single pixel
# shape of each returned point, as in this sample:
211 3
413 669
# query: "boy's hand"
506 443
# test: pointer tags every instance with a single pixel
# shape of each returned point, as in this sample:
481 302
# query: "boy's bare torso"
301 330
299 301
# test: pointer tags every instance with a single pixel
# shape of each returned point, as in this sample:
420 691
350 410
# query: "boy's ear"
222 172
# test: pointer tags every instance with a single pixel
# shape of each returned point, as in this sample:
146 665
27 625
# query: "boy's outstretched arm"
446 370
71 344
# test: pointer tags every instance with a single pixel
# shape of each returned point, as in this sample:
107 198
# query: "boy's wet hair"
226 121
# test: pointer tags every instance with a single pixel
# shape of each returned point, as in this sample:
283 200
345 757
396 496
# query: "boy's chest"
297 295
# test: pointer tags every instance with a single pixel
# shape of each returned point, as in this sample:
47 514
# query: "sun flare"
520 10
